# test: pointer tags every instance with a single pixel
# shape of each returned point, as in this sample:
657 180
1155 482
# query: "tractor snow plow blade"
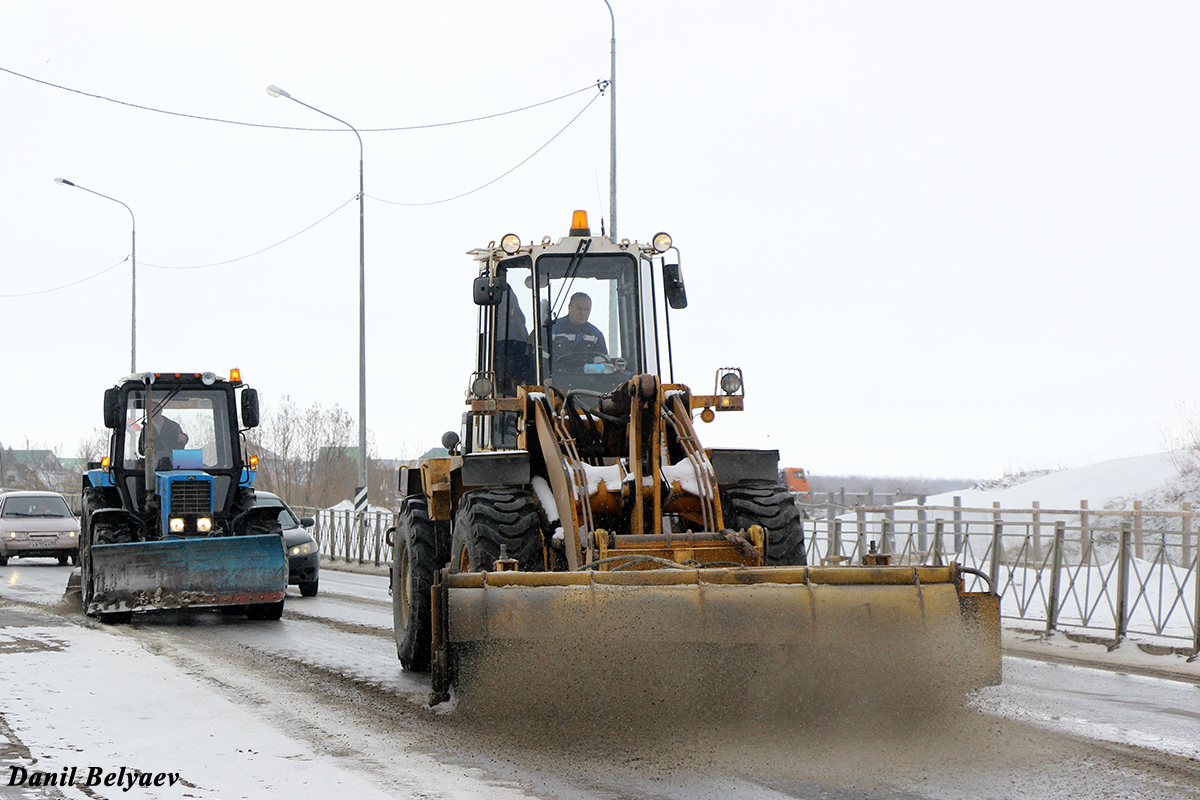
724 636
187 573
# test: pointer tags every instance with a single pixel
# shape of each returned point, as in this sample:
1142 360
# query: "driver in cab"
574 334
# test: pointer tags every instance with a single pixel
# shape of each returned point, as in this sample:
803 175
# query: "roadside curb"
1085 651
351 566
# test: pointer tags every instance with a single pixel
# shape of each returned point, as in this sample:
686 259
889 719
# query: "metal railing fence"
343 534
1116 572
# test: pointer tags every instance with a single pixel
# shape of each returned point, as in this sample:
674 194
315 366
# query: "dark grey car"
304 559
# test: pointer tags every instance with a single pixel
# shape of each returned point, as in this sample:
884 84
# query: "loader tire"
414 562
488 519
773 507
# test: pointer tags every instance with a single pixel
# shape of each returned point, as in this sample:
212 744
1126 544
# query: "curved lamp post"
133 259
360 500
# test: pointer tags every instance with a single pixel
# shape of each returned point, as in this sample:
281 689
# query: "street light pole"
133 282
360 500
612 133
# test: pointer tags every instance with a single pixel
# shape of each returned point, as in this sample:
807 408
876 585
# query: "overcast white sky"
941 238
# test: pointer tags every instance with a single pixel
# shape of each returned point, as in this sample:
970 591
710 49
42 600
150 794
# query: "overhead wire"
68 285
504 175
257 252
140 107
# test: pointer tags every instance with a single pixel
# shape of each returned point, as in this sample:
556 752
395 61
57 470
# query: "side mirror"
249 408
673 286
489 291
307 522
112 410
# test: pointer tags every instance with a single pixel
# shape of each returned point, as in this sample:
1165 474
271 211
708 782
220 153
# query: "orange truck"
796 480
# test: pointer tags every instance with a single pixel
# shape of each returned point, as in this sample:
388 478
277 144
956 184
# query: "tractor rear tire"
414 562
773 507
494 518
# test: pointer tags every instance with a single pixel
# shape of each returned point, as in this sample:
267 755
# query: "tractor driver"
574 334
168 435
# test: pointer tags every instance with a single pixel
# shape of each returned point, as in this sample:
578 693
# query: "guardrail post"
888 544
958 530
1123 555
922 530
1056 557
347 526
362 526
997 552
1185 542
835 537
1137 529
830 506
937 542
860 522
1036 528
1085 533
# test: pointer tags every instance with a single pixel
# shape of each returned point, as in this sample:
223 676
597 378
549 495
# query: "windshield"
190 429
49 506
588 320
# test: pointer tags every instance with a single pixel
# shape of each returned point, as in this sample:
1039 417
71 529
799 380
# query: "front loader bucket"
726 637
187 573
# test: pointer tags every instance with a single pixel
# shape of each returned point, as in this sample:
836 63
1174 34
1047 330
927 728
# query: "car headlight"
73 534
17 535
303 549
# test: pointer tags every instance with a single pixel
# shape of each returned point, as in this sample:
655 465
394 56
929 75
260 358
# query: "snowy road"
316 706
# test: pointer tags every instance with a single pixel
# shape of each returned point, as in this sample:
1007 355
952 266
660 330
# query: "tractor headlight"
176 524
662 242
303 549
204 524
511 243
731 382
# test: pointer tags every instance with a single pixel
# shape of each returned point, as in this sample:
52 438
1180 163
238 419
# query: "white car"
37 525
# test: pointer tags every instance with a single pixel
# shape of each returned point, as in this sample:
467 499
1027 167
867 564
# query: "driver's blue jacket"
568 337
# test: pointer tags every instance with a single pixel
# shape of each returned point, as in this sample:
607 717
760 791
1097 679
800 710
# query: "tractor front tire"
772 507
414 562
494 519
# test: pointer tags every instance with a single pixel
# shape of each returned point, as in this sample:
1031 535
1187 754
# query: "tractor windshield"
589 333
189 427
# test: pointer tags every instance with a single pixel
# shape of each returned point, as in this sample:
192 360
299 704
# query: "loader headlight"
176 524
731 382
662 242
511 243
481 388
303 549
204 524
208 378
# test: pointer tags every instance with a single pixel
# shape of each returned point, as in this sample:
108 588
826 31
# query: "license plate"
50 543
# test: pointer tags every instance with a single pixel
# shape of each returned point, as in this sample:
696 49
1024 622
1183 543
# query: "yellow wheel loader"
580 531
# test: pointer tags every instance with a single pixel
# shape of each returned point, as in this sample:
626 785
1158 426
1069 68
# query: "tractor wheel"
414 562
489 519
773 507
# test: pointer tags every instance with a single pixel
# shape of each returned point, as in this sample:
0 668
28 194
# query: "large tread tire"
490 519
773 507
94 498
414 563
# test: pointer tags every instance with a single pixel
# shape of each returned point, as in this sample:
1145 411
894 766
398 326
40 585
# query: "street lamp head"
63 181
275 91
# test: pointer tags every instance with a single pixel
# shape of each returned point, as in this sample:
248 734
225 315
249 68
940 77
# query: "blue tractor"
169 516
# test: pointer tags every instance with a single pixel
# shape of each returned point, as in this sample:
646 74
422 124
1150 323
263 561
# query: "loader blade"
187 573
728 639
